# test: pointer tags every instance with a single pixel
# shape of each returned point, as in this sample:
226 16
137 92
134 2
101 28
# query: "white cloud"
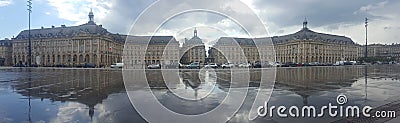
77 10
68 112
279 17
373 6
334 17
5 2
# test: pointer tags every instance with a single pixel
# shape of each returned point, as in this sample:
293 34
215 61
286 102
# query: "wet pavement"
99 95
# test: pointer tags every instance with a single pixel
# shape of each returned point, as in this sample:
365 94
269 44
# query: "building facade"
69 46
243 50
383 51
141 51
5 52
193 50
304 46
91 43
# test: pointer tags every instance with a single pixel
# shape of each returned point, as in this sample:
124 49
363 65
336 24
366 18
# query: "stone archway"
48 60
43 60
81 60
74 59
87 58
58 59
63 59
95 59
23 59
15 60
69 60
53 60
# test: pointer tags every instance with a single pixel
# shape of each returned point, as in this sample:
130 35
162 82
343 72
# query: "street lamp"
366 39
29 33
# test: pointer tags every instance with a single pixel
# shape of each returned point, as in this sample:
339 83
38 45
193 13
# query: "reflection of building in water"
307 81
303 81
193 50
89 87
318 75
192 80
147 50
69 46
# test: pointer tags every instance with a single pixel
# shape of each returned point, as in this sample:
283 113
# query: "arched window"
94 58
48 58
87 58
74 59
81 58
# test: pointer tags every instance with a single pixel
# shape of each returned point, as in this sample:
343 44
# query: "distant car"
89 65
245 65
257 65
182 66
194 65
305 64
117 65
278 64
290 64
211 65
19 65
154 66
228 65
173 65
314 64
339 63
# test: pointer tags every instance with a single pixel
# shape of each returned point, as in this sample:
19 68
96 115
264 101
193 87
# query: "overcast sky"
280 17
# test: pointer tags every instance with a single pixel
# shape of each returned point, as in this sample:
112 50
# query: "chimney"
101 25
42 27
52 26
63 26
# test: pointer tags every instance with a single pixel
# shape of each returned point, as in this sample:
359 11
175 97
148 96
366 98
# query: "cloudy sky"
279 17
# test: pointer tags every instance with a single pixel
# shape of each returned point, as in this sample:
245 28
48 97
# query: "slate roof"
307 34
152 39
229 41
5 42
194 41
304 34
63 31
244 41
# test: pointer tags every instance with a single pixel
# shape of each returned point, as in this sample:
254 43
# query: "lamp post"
29 33
366 39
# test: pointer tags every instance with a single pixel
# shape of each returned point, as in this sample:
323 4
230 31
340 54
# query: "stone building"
383 51
141 51
307 46
193 50
69 46
5 52
243 50
304 46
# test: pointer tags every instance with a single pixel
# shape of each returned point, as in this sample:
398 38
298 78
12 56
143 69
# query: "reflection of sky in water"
106 100
116 108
